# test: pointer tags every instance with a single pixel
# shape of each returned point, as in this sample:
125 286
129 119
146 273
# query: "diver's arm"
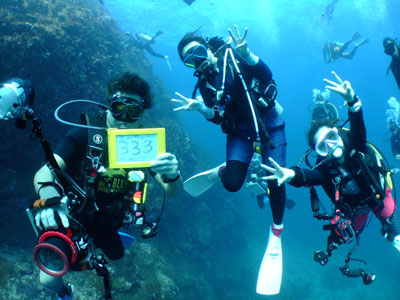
71 149
306 177
44 174
261 71
358 132
45 217
295 176
173 188
167 174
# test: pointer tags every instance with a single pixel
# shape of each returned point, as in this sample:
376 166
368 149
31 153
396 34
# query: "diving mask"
123 107
329 142
195 56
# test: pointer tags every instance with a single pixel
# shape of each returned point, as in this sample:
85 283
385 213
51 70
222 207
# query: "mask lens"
131 106
134 111
195 56
117 108
327 142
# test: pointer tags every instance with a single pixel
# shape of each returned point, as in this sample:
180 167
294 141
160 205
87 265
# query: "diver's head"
324 138
389 45
195 52
128 97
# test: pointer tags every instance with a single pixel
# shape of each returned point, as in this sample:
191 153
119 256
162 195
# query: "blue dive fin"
289 203
126 239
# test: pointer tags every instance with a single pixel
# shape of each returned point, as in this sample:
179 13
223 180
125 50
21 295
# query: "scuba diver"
238 93
392 120
329 9
323 110
111 197
392 49
145 42
334 50
353 174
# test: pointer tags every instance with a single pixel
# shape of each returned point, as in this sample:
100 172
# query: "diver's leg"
349 55
152 52
343 48
64 291
239 151
390 219
51 282
277 193
233 175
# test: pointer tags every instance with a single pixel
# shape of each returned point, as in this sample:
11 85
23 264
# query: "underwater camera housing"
59 251
16 99
62 249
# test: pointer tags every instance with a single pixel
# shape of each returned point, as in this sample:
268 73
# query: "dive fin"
126 239
199 183
289 204
362 42
270 274
355 36
167 60
158 33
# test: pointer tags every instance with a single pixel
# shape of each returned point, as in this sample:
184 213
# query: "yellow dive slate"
134 148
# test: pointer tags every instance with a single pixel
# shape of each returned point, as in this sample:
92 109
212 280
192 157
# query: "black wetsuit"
103 224
395 67
356 196
237 122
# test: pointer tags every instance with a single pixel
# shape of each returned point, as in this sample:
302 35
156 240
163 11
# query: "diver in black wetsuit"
145 42
341 173
392 49
334 50
327 14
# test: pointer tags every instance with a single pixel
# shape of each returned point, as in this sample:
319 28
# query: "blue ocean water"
288 35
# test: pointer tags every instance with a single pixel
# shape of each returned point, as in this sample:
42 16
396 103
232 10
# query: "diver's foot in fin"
260 201
199 183
355 36
270 274
158 33
362 42
67 292
289 204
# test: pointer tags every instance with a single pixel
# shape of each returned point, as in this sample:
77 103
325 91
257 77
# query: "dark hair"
387 40
389 45
130 83
315 126
215 43
188 38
